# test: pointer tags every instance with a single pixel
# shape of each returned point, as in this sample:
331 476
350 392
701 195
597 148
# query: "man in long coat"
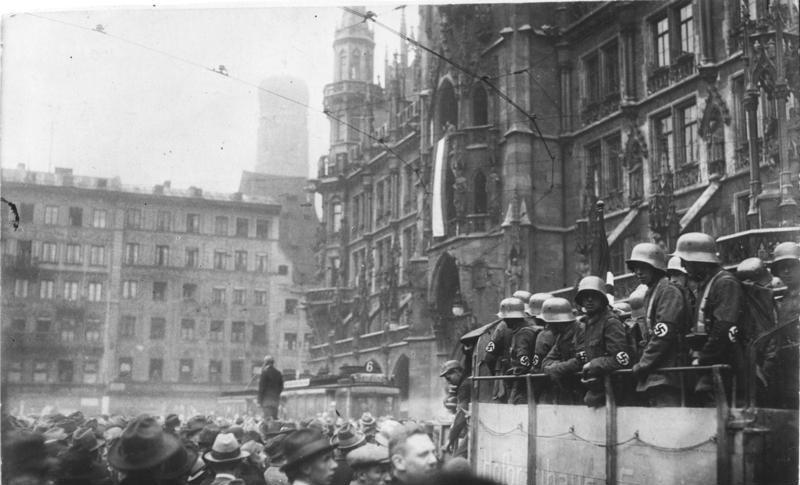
270 387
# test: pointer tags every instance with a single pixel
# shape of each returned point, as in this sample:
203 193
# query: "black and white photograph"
545 243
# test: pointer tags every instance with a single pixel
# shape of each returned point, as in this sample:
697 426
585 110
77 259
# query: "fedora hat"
368 455
348 437
86 440
180 463
368 423
225 449
274 448
142 445
303 445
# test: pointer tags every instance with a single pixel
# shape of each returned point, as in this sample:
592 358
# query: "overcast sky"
142 103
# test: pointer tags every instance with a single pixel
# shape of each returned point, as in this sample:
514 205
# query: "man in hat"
782 362
346 439
190 433
80 463
413 455
561 362
309 458
370 464
141 450
274 450
453 373
171 423
369 426
224 460
270 387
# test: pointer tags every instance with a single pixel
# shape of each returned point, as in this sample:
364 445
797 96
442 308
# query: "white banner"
437 205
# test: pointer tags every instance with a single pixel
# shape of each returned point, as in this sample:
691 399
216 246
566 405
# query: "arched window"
480 107
446 109
336 221
355 65
479 189
342 69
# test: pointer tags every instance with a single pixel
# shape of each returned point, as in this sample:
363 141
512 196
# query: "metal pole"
532 429
723 445
611 432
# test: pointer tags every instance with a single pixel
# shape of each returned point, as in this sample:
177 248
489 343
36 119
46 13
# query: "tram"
348 395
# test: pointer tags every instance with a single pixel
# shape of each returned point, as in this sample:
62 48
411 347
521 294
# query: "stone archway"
446 284
400 376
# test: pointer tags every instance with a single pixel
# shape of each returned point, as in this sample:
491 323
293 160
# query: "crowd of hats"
58 448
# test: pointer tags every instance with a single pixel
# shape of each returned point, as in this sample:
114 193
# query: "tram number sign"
372 367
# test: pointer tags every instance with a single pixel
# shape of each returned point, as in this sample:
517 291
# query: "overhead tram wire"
370 16
227 75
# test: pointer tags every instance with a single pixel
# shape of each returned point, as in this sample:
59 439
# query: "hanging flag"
437 204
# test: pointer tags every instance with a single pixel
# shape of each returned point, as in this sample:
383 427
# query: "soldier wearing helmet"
561 362
546 337
604 347
525 296
783 360
720 297
666 320
519 350
496 350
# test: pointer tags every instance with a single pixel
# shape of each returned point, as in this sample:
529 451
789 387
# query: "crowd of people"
114 450
687 311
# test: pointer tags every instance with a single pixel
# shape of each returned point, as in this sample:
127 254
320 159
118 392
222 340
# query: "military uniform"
544 342
606 349
496 357
782 363
718 310
520 355
667 320
561 363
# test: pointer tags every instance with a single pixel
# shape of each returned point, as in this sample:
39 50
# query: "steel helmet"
755 270
591 283
557 310
525 296
511 308
697 247
786 251
636 300
675 265
650 254
535 303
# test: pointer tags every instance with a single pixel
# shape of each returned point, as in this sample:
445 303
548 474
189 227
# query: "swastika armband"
623 359
661 330
490 347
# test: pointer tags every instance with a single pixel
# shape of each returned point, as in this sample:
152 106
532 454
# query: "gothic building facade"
493 152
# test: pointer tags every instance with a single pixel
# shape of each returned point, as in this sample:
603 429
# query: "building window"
66 371
76 216
481 197
131 253
237 332
260 334
18 325
215 371
193 223
663 143
613 152
130 289
43 325
336 224
283 270
185 368
218 296
189 291
260 297
591 66
127 326
686 19
74 254
187 329
242 227
255 368
192 257
480 106
51 215
239 297
687 116
159 290
95 291
240 261
290 341
219 260
164 221
594 156
221 226
67 333
21 288
290 306
97 255
93 331
158 328
262 228
216 330
125 369
41 370
46 289
237 368
661 30
71 290
90 370
261 263
156 371
307 339
99 218
133 219
26 212
162 255
49 252
611 69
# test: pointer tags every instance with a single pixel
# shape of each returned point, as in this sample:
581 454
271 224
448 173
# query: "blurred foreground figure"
413 455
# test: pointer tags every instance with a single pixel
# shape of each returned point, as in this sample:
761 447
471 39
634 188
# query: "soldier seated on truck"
561 362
